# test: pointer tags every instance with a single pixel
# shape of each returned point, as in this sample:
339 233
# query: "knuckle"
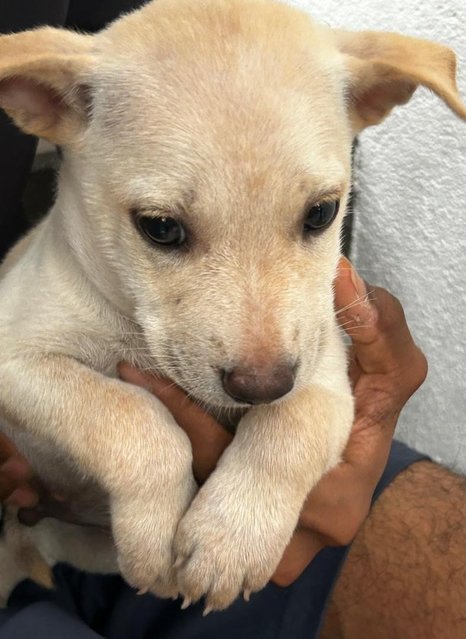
379 406
391 313
421 367
285 575
354 519
415 374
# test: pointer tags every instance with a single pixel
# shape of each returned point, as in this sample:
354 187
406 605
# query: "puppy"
195 233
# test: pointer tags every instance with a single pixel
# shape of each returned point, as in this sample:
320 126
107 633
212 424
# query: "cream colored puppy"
195 233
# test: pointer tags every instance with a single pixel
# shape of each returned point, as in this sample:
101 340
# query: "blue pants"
87 606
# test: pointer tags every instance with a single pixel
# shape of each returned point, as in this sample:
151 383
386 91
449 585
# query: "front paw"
228 547
143 531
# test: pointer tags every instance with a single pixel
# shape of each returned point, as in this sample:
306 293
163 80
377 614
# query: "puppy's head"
207 170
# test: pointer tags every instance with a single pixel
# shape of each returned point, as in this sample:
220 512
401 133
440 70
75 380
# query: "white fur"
233 115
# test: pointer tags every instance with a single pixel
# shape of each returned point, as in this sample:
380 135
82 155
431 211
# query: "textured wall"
410 233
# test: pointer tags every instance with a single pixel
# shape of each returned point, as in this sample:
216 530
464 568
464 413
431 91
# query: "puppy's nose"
252 385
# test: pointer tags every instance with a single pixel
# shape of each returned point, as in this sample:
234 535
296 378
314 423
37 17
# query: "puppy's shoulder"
17 251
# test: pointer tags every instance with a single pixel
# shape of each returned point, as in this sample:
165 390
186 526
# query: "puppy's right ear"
44 82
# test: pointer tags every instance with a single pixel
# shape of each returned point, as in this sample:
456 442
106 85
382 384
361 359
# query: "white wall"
410 233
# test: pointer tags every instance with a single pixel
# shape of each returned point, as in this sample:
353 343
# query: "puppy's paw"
224 548
143 531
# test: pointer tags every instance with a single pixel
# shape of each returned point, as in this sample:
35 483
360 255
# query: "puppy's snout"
259 385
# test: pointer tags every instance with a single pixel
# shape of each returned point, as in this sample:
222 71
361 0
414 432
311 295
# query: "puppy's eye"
161 230
321 215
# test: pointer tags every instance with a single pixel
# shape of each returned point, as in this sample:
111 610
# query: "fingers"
387 368
339 504
331 516
208 438
23 497
375 321
17 469
15 475
354 311
15 489
16 493
299 553
19 488
390 367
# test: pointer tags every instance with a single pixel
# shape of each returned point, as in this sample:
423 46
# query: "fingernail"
344 265
358 283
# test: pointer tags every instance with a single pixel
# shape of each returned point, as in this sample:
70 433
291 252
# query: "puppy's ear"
386 68
44 77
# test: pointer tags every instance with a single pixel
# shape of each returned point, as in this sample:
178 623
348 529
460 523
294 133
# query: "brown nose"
250 385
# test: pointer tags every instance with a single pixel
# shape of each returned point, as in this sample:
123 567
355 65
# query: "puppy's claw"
247 594
207 610
187 601
142 591
178 561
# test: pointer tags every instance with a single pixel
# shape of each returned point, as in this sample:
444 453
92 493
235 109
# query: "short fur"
230 115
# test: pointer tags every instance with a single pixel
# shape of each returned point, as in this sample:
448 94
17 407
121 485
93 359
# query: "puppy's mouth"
222 408
228 387
227 390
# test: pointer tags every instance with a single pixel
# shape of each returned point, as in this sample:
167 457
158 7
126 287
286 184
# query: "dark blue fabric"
88 606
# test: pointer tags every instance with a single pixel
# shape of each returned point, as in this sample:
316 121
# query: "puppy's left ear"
44 77
384 70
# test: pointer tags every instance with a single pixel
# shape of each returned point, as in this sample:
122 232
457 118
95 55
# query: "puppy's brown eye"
321 215
161 230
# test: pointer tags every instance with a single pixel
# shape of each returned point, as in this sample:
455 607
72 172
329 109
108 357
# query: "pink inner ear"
375 102
21 95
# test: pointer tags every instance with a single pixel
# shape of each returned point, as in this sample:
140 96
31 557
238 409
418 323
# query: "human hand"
20 488
16 477
386 368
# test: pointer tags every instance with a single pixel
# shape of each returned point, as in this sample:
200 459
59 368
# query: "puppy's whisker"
363 299
353 323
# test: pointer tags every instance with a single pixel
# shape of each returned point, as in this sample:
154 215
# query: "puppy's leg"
85 547
121 436
236 530
19 558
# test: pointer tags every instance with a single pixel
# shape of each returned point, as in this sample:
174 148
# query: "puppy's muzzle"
259 385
